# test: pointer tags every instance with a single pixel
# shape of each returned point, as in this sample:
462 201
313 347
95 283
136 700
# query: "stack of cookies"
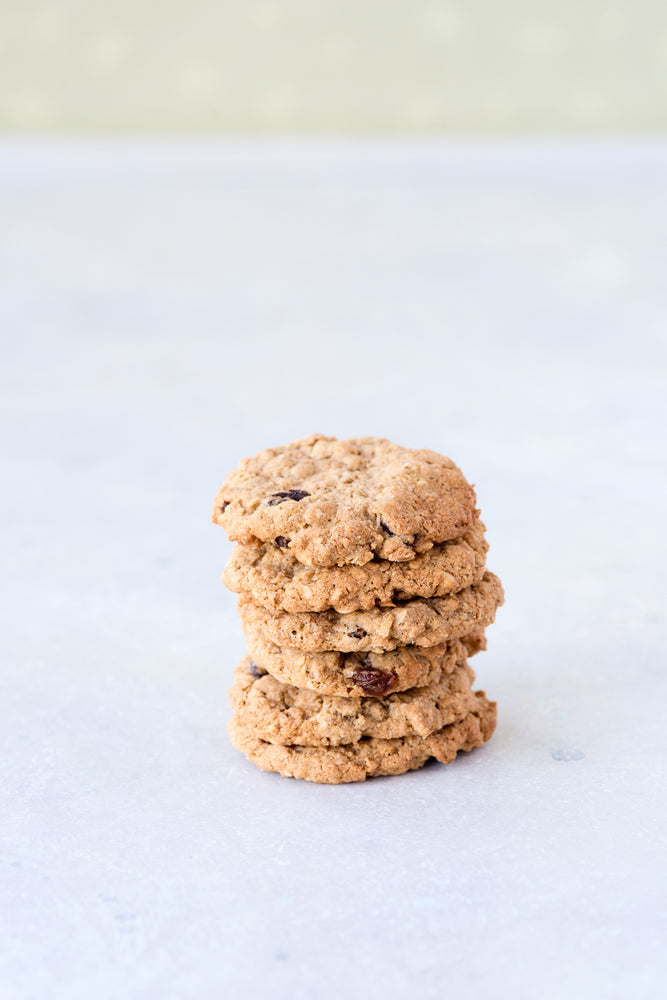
363 592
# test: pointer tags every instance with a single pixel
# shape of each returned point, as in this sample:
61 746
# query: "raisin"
372 681
224 506
387 530
358 633
276 498
281 541
255 670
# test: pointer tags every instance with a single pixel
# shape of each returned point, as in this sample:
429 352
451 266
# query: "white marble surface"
166 311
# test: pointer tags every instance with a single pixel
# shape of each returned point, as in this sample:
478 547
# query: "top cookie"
332 503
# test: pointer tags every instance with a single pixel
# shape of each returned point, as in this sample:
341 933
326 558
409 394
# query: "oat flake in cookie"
328 502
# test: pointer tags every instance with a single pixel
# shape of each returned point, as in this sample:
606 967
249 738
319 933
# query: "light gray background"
165 311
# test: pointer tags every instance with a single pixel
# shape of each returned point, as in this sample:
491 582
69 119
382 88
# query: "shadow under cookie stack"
363 592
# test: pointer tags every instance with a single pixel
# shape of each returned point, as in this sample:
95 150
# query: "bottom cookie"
369 757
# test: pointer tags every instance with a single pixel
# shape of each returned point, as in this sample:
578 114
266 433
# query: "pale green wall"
375 66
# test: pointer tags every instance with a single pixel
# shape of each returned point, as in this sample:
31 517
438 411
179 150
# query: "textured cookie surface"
421 622
359 675
278 582
284 714
328 502
368 757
